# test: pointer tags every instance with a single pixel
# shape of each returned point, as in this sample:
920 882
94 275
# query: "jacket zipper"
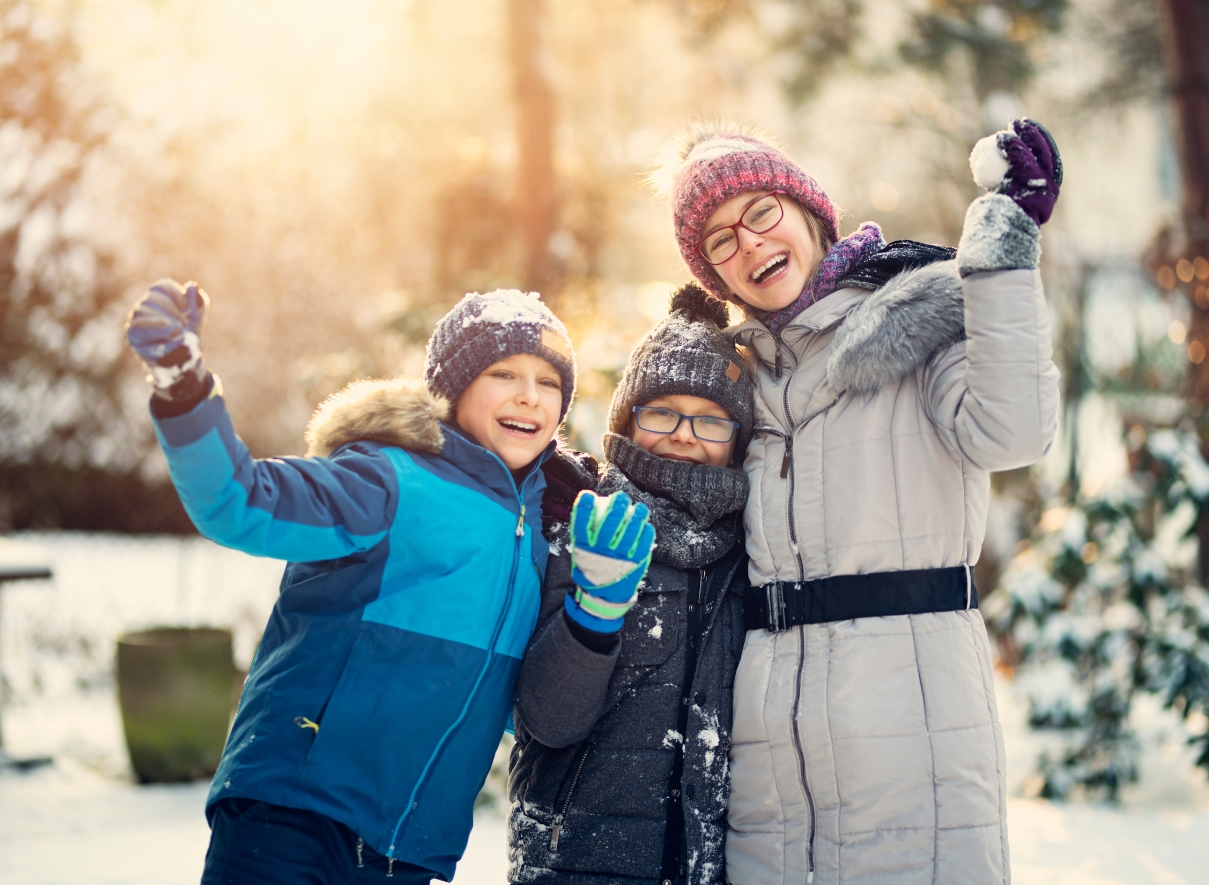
474 690
577 767
787 471
797 694
713 617
797 746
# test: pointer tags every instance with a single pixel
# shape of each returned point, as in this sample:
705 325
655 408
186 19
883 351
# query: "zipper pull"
520 523
778 366
554 836
785 464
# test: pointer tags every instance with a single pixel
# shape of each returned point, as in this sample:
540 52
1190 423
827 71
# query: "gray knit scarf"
696 509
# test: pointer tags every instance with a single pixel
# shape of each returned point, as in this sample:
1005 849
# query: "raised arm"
297 509
994 397
598 562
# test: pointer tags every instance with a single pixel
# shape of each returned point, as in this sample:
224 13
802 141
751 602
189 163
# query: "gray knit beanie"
686 355
483 329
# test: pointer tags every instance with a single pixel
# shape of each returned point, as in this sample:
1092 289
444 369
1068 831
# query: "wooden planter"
175 686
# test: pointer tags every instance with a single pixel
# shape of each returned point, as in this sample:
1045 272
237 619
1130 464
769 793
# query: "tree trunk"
1184 253
1186 47
535 197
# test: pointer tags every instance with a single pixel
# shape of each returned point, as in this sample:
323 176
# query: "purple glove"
164 330
1034 172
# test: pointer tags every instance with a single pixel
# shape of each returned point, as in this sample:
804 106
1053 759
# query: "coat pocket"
652 629
566 792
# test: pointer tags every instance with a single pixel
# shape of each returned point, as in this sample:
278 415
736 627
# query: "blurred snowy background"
336 175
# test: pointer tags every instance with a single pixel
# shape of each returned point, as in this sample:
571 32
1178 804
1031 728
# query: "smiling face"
682 445
771 269
512 408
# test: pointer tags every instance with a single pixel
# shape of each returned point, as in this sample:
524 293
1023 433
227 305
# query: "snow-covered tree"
63 413
1104 603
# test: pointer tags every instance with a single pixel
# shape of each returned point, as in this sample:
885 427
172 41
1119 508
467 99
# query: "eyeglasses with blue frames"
707 428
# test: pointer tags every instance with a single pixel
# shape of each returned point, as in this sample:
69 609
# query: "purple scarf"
838 262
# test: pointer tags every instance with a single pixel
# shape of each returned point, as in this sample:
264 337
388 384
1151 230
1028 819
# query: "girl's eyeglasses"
759 216
707 428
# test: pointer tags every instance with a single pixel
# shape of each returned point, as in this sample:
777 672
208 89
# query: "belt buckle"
776 606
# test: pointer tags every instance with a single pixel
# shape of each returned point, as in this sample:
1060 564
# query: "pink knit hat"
712 162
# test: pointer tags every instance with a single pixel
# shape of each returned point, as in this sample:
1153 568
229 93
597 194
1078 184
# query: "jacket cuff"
601 643
575 612
997 235
184 396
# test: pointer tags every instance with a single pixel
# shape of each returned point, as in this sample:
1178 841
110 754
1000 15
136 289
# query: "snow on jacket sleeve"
303 510
994 397
562 686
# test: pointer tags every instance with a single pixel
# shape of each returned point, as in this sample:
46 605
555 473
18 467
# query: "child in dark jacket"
619 772
385 676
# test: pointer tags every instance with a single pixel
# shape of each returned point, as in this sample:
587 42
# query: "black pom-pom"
699 306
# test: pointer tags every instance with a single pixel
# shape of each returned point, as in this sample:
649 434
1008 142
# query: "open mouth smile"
516 427
770 269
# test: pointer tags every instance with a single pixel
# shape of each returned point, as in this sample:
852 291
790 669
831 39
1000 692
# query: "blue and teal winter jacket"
385 676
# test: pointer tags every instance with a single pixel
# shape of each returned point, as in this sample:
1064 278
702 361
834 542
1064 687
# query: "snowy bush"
1103 603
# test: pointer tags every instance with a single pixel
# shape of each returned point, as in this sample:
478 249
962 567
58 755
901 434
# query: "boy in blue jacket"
385 676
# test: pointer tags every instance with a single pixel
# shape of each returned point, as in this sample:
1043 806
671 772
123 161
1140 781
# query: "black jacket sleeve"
563 683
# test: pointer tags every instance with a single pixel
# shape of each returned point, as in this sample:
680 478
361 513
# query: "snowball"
988 163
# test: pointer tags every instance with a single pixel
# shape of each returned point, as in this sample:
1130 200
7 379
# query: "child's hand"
611 544
164 329
1021 163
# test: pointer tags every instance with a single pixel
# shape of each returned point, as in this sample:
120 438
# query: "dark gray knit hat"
483 329
686 355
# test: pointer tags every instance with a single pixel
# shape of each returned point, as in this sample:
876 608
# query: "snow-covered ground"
83 819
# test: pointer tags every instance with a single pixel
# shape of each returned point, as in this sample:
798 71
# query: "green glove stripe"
602 608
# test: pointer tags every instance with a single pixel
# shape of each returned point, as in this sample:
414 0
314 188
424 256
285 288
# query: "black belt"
781 604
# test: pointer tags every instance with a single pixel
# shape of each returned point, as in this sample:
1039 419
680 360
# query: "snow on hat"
712 161
483 329
686 355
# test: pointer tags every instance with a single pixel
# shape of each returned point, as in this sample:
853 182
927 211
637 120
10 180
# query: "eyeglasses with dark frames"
759 216
707 428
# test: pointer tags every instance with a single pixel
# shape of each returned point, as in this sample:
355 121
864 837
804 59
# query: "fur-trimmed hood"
897 329
881 337
400 412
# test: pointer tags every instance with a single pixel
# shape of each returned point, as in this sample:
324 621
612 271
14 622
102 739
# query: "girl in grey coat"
890 382
620 770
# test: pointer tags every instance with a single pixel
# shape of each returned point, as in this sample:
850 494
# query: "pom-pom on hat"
686 355
483 329
712 161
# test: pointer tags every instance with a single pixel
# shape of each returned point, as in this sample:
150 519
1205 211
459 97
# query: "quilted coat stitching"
923 699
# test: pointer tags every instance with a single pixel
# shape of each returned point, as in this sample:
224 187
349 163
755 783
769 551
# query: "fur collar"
897 329
399 412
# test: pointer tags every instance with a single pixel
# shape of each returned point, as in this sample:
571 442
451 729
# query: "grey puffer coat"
869 750
598 735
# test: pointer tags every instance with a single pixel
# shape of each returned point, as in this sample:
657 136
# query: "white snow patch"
672 739
709 736
988 163
504 307
657 631
164 377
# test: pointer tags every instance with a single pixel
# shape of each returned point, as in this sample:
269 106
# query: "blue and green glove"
611 544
